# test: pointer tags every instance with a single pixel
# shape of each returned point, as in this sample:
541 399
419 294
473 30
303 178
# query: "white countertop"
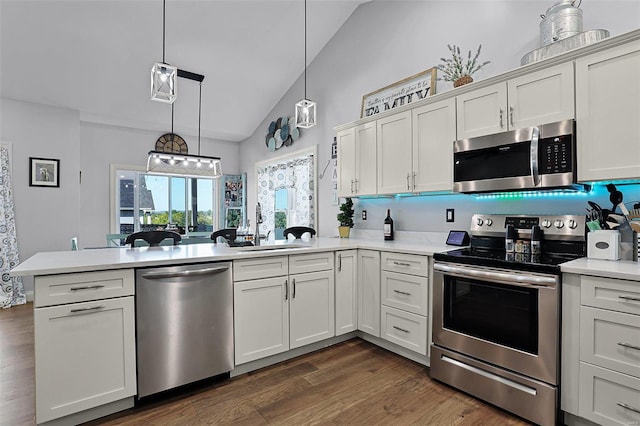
622 269
61 262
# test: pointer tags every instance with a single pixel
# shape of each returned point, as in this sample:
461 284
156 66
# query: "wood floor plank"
351 383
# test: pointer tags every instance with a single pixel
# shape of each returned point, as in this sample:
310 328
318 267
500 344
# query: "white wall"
386 41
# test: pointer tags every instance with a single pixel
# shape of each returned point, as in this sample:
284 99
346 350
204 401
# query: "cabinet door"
434 131
366 174
607 111
312 308
261 318
346 291
346 144
394 154
482 111
369 292
541 97
84 356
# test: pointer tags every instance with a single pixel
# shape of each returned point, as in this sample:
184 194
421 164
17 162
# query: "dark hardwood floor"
353 383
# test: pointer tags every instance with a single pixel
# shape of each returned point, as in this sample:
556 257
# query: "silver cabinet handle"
339 262
401 292
88 287
357 186
400 329
627 345
95 308
352 186
408 185
628 407
293 291
195 272
511 115
501 114
635 299
286 289
401 263
414 181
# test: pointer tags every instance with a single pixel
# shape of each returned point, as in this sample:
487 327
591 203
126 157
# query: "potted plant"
345 217
457 69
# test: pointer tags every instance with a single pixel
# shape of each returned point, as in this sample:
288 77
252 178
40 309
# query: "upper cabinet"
540 97
394 153
356 157
608 114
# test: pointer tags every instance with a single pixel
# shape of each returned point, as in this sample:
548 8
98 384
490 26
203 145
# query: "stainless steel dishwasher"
184 325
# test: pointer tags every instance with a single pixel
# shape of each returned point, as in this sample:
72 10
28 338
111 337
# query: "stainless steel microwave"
540 157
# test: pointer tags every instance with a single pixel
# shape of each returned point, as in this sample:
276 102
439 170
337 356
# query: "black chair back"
153 238
298 231
228 234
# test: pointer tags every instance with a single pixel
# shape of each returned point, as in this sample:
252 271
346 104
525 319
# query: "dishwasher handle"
192 273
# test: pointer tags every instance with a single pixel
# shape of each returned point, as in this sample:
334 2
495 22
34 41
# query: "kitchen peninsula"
84 316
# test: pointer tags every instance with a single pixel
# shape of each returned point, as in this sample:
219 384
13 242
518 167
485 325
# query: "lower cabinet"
404 329
369 292
346 266
275 314
84 356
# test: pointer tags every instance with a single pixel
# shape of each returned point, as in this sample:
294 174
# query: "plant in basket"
345 218
458 69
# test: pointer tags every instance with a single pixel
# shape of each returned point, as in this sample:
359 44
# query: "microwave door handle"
533 156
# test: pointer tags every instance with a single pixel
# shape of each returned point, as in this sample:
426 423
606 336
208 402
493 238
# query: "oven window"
503 314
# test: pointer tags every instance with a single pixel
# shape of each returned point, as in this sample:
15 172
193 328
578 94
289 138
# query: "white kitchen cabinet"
356 157
84 350
434 131
346 291
261 318
394 153
540 97
369 292
607 111
311 307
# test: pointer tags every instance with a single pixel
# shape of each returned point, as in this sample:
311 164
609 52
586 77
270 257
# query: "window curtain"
295 173
11 289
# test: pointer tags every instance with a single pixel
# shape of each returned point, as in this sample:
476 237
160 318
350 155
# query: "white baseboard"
29 296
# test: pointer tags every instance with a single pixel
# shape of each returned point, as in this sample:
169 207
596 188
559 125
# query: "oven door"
503 317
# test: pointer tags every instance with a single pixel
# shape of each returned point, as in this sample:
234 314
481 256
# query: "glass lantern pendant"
163 82
305 114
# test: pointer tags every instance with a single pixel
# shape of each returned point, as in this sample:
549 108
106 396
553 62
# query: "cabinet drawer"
264 267
405 263
70 288
407 292
404 329
314 262
610 339
607 397
617 295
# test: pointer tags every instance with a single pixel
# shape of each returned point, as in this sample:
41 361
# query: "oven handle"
496 276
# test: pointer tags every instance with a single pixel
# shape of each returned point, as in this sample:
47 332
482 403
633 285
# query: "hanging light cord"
305 49
199 116
163 28
171 118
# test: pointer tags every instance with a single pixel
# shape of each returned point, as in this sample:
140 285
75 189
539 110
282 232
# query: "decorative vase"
465 79
344 231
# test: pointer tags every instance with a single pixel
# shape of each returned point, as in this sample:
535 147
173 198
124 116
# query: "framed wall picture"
410 89
44 172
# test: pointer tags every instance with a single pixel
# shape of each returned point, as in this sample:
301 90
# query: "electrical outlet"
364 215
450 215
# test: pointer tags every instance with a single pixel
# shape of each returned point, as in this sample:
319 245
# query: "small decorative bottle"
388 227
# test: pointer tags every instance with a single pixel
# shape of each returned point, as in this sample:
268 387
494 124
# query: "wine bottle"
388 226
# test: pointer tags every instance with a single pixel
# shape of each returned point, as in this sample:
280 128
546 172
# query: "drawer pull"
635 299
627 345
401 292
628 407
95 308
401 263
400 329
89 287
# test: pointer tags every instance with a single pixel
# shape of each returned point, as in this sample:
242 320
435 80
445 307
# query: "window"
286 192
148 202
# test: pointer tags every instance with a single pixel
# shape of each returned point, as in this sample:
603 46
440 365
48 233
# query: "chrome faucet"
256 238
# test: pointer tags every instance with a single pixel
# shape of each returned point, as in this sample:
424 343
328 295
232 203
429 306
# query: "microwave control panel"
555 154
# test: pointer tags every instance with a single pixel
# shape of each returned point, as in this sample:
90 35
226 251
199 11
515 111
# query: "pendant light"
163 75
305 109
174 164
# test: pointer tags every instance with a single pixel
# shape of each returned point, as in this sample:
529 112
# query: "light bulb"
199 164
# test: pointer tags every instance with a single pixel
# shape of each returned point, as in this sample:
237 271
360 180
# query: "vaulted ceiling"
95 56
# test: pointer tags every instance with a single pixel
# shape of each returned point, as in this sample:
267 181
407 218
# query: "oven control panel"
554 226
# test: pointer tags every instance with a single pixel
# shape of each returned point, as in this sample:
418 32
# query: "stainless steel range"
497 313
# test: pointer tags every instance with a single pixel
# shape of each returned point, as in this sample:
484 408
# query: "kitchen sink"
270 247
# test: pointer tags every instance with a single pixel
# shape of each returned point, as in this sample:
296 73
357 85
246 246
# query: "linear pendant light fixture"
175 164
305 109
163 75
